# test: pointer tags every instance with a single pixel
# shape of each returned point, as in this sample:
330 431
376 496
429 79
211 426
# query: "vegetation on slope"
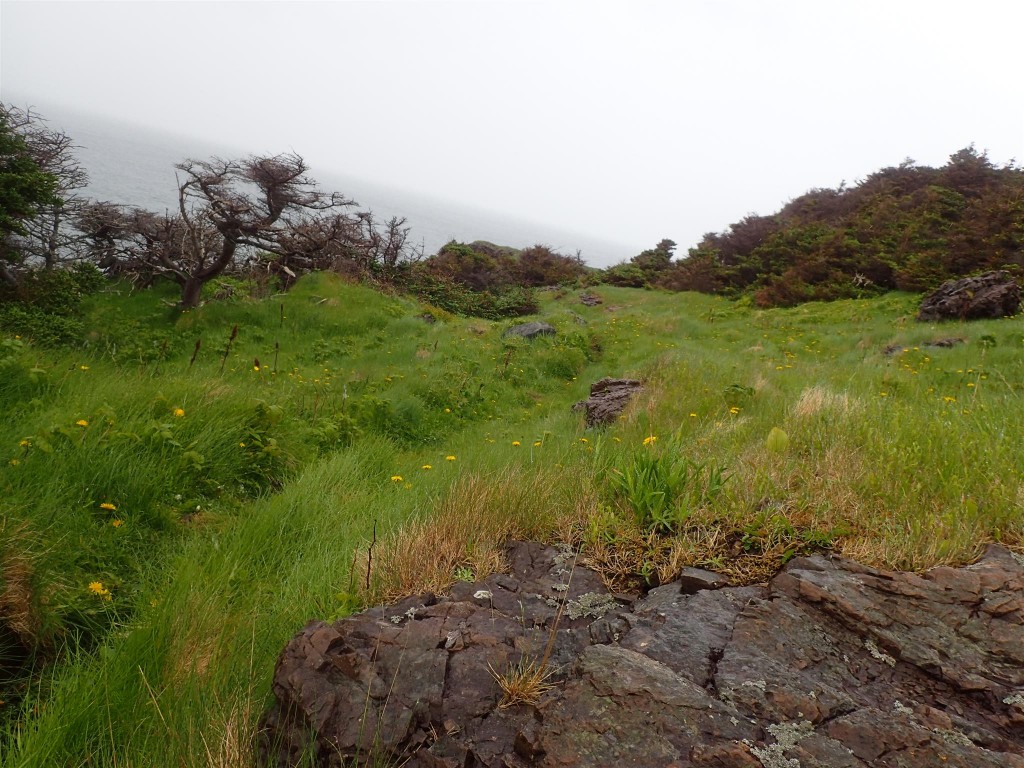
169 523
905 228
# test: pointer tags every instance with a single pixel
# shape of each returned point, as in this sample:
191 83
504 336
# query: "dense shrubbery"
909 228
44 303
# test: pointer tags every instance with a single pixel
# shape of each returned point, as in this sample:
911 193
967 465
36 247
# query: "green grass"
247 498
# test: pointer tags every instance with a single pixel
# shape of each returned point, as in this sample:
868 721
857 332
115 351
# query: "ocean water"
132 165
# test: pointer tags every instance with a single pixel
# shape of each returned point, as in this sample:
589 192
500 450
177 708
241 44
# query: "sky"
630 120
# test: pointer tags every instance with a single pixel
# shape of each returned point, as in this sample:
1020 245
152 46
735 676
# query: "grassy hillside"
168 524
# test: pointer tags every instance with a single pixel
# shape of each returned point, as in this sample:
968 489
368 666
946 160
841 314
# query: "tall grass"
247 500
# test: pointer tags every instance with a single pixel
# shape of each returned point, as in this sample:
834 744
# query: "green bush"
662 488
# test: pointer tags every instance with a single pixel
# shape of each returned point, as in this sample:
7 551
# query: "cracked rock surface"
608 398
831 663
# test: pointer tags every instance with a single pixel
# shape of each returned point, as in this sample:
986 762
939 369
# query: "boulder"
590 299
608 398
989 296
530 330
831 663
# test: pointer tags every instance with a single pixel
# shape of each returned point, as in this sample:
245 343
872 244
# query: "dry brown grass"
233 738
816 399
469 526
524 683
17 606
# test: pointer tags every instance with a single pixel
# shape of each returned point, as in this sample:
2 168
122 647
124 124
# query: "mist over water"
135 166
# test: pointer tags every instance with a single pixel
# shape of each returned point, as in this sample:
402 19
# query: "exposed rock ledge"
830 664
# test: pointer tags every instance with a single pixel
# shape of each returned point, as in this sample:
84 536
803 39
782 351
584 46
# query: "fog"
630 121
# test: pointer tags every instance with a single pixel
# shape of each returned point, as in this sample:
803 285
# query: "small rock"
692 580
530 330
608 398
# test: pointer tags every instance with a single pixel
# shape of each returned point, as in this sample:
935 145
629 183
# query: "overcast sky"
630 120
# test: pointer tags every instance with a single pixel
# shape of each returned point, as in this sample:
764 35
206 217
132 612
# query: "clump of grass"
524 682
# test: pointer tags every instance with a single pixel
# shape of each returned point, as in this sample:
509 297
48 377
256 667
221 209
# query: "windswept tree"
49 237
261 209
25 189
228 205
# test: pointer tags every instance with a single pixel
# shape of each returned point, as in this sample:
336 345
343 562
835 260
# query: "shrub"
663 488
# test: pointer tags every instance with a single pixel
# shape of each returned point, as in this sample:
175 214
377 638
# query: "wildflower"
179 412
883 394
970 383
734 410
584 440
447 410
449 458
14 462
650 439
97 588
948 399
117 523
83 367
516 443
396 478
256 368
108 506
426 466
241 445
617 439
693 415
82 423
537 443
24 443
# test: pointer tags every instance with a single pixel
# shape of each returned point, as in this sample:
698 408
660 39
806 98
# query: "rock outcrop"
829 664
608 398
992 295
530 330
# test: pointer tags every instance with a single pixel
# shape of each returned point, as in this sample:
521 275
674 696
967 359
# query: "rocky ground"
829 664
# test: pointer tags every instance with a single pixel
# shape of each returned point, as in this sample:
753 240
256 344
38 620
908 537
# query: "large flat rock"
830 664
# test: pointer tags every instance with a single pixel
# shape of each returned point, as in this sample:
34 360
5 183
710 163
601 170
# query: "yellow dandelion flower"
447 410
179 412
883 394
449 458
396 478
117 523
970 383
650 439
584 440
693 415
24 443
108 506
537 443
426 466
617 439
97 588
734 410
82 423
241 445
516 443
14 462
83 367
949 399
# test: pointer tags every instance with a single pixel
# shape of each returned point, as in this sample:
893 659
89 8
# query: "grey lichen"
592 605
787 736
877 654
1016 700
